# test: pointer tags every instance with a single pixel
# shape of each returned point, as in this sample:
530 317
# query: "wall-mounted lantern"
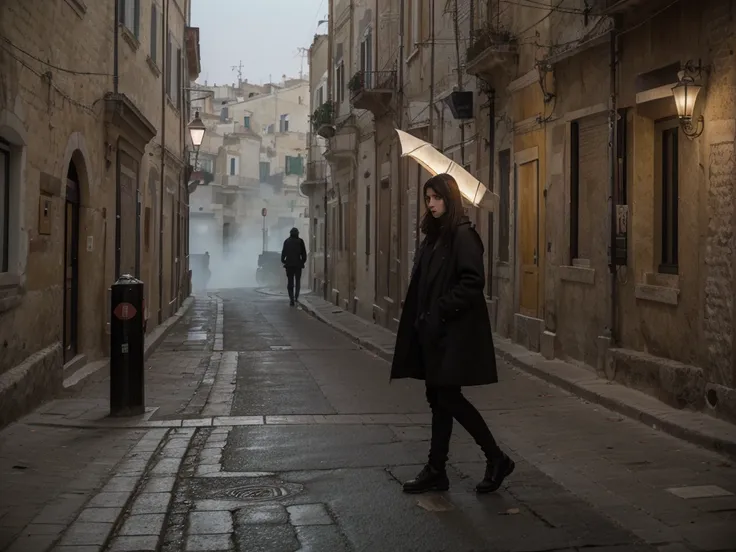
686 93
197 130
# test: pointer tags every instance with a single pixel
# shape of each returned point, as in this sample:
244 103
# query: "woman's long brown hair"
444 186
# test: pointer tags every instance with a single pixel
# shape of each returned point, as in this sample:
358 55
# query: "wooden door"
71 269
383 275
528 224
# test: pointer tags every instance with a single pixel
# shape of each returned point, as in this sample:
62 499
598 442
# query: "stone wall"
56 71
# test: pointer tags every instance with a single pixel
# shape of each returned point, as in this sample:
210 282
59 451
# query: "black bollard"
127 335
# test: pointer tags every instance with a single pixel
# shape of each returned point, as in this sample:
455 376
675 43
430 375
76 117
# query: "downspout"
330 79
403 168
115 86
455 17
612 173
431 111
115 57
491 179
165 67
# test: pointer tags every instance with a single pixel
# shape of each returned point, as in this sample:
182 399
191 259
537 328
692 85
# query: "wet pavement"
280 434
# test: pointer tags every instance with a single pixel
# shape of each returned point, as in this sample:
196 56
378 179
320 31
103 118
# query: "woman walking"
444 335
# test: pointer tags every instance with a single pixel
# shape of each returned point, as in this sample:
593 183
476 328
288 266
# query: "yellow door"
528 224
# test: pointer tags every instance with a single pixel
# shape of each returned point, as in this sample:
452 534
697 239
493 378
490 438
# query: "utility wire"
63 94
62 69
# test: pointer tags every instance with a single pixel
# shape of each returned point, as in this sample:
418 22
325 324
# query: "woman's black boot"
429 479
496 471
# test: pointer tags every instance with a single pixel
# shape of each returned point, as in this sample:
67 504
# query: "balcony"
372 90
316 175
233 181
323 120
490 50
343 146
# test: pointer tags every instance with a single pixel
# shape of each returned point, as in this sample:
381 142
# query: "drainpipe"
431 111
115 83
491 177
165 67
330 80
612 173
115 59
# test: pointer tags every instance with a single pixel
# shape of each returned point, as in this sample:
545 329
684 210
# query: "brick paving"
288 436
48 472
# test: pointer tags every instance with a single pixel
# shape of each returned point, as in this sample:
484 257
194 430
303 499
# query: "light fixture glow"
686 93
196 130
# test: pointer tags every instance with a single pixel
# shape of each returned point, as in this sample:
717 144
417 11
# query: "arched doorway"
71 263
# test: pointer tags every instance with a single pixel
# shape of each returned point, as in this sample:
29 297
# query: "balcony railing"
372 81
489 49
316 171
323 116
236 181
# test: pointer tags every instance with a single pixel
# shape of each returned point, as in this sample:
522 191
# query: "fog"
233 260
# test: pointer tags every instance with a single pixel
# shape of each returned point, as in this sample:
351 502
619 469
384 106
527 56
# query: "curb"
366 344
657 420
658 416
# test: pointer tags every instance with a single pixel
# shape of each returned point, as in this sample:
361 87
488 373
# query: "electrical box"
44 214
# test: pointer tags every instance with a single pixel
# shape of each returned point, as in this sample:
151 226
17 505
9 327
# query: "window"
284 123
341 224
233 165
129 15
340 82
366 52
504 189
4 206
168 64
294 165
174 72
416 25
206 164
320 96
367 221
154 33
264 170
670 201
177 67
246 121
270 129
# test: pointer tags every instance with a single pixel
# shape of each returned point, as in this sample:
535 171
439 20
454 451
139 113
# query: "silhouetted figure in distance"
294 258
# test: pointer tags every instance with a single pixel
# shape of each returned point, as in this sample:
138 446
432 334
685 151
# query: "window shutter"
137 18
121 12
179 82
168 65
154 33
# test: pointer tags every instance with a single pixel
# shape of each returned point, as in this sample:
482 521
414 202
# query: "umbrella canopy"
436 163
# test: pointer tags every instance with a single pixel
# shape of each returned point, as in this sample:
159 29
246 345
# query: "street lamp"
196 130
685 93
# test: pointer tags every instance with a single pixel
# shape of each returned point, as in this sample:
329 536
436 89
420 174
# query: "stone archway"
84 263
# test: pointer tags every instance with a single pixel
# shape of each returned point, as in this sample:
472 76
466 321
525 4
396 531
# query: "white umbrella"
436 163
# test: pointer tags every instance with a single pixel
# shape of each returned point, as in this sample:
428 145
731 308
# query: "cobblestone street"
268 430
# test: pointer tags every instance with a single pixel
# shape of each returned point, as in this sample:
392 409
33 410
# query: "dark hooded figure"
444 335
294 257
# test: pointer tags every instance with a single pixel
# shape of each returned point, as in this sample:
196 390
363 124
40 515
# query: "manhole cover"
253 492
257 493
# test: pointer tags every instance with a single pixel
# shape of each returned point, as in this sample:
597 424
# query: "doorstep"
695 427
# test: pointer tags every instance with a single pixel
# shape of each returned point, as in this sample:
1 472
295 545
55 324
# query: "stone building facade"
93 146
613 242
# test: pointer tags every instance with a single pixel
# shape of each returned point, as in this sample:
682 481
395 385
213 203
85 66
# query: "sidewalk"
694 427
53 460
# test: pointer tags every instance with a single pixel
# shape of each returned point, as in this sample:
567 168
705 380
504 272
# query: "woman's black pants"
448 403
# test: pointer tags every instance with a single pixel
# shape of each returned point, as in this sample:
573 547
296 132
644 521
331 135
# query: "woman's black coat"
449 343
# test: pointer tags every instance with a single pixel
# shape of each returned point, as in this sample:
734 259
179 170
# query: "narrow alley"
267 430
